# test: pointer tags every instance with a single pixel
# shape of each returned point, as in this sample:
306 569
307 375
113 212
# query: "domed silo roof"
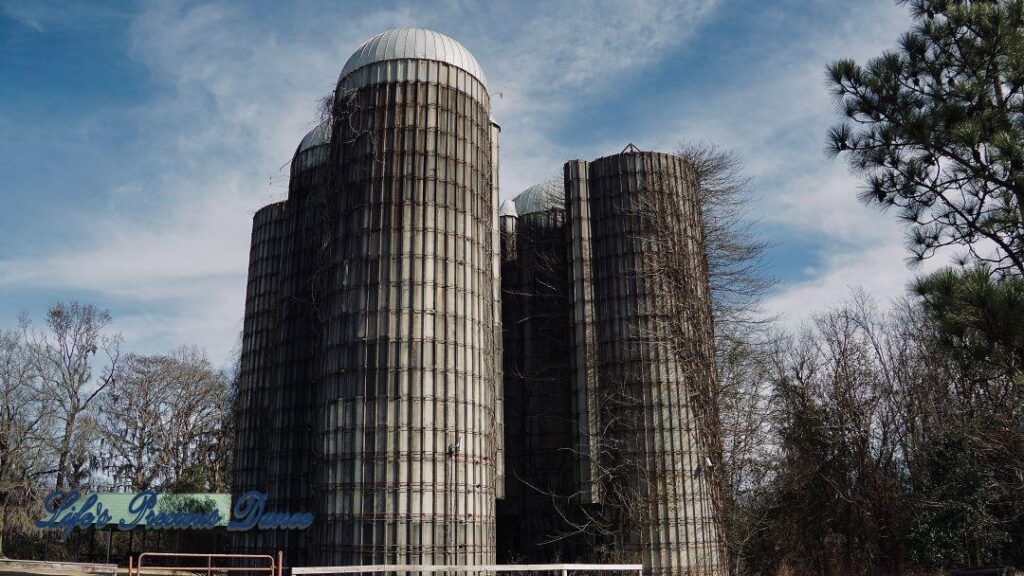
313 149
418 43
507 208
318 136
549 195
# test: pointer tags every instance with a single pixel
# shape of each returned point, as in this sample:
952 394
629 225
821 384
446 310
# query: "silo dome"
507 208
549 195
318 136
414 43
313 149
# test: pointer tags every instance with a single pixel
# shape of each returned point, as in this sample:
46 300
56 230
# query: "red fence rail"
210 564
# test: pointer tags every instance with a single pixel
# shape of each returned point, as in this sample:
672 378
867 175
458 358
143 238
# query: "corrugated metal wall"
539 426
254 410
275 436
643 385
407 392
291 457
499 407
583 359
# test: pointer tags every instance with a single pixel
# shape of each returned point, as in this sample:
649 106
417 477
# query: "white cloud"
775 113
880 271
566 55
238 93
44 15
23 14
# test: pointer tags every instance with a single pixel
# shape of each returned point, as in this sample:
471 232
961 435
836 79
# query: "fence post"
130 565
280 563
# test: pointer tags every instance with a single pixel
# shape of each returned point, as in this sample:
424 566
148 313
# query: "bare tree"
737 275
25 419
63 356
894 455
179 433
130 446
738 404
197 430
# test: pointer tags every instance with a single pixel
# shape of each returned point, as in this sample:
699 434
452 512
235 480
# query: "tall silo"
275 420
407 387
539 429
255 408
497 341
290 458
639 213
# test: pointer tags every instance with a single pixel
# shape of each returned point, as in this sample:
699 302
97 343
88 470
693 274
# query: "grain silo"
370 384
290 458
644 343
408 389
275 436
371 374
539 429
254 404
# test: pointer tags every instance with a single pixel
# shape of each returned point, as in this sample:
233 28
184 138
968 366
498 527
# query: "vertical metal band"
584 353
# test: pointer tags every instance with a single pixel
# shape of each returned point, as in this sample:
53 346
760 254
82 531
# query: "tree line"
882 440
79 413
890 439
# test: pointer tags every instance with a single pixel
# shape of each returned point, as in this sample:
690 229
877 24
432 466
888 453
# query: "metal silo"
407 390
275 419
254 408
507 217
642 306
496 334
290 458
538 405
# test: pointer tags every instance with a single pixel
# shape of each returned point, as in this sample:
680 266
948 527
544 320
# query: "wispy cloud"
167 245
23 14
238 90
774 109
566 55
45 15
880 271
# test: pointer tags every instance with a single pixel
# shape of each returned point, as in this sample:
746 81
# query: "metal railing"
209 563
562 569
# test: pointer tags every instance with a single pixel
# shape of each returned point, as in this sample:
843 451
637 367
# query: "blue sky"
139 139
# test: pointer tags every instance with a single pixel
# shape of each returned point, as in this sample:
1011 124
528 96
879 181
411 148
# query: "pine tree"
937 128
979 319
